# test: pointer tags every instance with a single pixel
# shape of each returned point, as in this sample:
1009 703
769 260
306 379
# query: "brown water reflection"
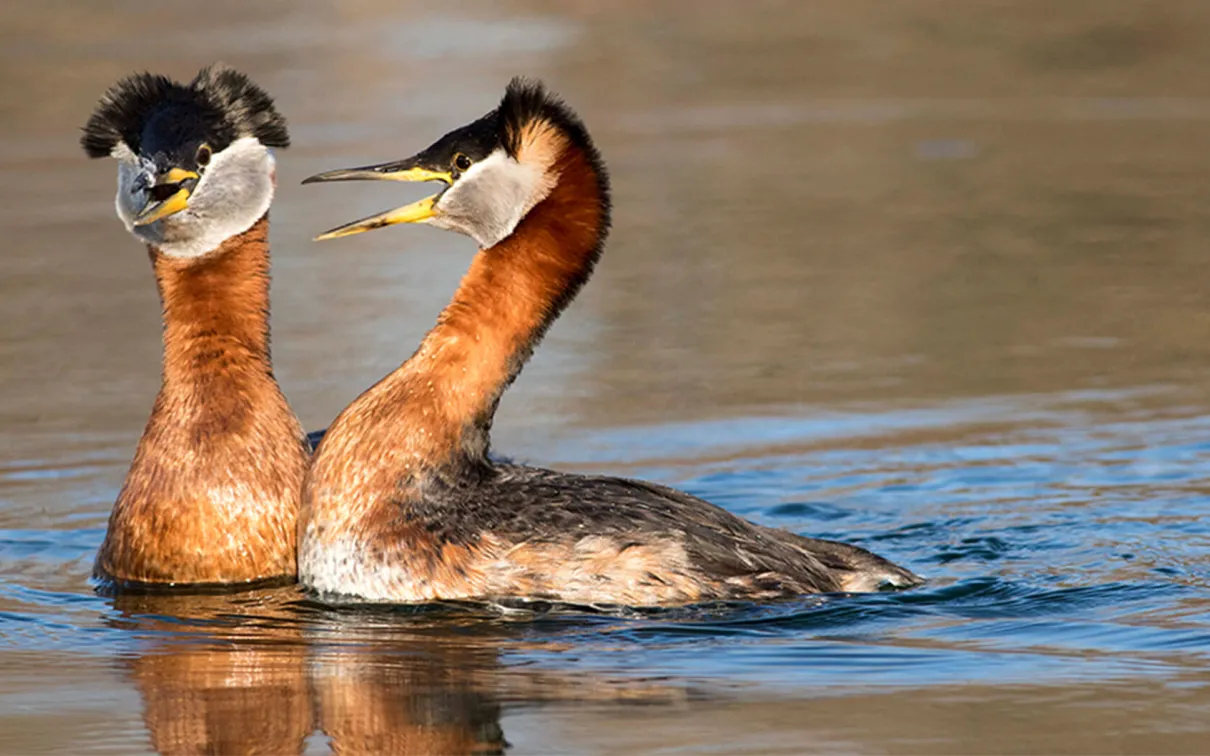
369 705
203 694
262 672
991 208
240 675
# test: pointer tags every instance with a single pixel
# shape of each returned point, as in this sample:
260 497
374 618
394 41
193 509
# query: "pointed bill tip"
417 212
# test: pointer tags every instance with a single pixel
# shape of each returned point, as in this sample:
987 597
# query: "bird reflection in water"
431 681
220 674
417 699
267 672
242 673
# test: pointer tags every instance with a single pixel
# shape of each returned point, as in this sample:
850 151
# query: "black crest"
223 103
526 101
247 107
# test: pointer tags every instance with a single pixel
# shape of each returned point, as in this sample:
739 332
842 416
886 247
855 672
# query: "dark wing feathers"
522 504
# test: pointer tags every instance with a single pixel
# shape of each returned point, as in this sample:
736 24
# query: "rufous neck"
509 297
216 310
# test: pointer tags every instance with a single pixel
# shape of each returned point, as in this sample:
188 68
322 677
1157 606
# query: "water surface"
929 277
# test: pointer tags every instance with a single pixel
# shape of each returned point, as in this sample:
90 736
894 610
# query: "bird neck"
213 490
444 397
216 311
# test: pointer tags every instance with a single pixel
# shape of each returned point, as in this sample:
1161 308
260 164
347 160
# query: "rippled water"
928 277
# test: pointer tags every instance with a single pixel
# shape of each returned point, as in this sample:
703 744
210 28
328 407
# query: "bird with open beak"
195 164
403 503
487 189
212 494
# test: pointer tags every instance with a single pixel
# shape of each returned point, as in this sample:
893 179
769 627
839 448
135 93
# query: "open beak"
168 195
401 170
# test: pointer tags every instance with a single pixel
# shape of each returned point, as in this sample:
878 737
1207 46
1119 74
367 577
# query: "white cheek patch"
492 197
235 191
129 201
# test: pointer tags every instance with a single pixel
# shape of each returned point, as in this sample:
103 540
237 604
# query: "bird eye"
203 156
462 162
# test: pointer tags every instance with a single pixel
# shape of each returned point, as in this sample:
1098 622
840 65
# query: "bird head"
195 165
495 170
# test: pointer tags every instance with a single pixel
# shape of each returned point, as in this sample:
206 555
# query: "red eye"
203 156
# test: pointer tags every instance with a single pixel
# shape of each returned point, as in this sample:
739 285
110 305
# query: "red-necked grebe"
402 502
212 495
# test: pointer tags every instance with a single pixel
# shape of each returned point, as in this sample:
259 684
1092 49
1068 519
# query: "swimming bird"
212 494
402 502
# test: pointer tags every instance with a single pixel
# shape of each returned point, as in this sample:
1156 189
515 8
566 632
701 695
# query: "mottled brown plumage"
212 493
402 502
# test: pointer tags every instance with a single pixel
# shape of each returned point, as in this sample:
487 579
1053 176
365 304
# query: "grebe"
402 503
212 495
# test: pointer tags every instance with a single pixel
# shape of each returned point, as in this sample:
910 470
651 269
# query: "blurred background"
926 275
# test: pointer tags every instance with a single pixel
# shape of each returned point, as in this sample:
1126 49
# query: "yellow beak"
417 212
157 209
